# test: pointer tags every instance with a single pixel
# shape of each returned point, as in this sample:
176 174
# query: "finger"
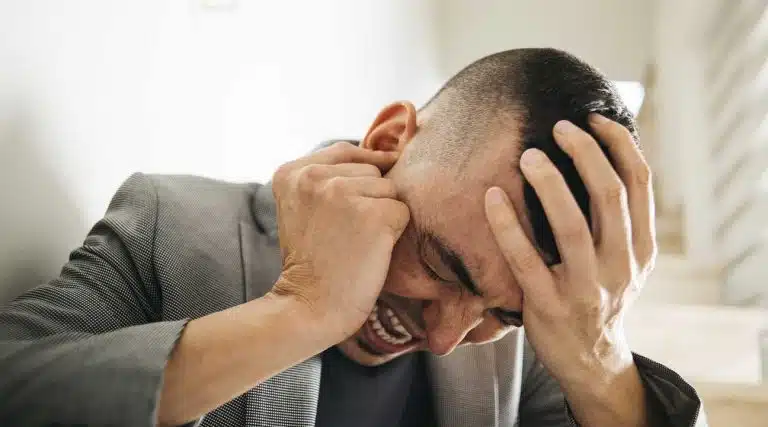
606 191
634 172
315 173
355 169
364 186
574 241
524 261
310 176
345 152
393 213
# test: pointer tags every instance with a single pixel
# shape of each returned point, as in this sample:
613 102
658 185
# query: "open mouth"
386 332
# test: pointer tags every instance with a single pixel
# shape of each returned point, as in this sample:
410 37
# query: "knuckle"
393 215
312 172
574 233
307 178
401 216
642 174
341 146
624 133
335 187
614 194
337 151
305 186
370 169
618 131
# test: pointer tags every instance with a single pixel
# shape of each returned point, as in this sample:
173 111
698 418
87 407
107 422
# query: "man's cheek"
408 279
404 269
408 283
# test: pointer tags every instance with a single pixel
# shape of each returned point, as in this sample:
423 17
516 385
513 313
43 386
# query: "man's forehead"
454 190
453 207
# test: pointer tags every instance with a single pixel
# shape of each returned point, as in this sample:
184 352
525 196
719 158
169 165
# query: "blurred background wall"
93 90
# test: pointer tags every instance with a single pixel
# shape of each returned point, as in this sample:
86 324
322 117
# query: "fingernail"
495 196
532 157
564 126
597 119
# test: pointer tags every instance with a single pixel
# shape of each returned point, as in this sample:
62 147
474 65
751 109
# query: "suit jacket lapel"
465 387
289 398
479 385
509 368
261 261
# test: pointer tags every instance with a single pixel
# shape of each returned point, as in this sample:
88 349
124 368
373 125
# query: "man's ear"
393 128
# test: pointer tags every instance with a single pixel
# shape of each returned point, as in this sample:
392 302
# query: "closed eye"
508 317
432 273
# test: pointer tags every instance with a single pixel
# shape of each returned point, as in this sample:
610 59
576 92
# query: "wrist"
599 373
611 392
302 321
316 312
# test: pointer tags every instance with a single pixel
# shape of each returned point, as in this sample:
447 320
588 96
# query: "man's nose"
448 322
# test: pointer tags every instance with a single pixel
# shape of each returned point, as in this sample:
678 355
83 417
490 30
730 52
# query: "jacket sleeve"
671 401
88 348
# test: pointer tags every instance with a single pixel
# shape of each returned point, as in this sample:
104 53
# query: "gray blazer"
90 346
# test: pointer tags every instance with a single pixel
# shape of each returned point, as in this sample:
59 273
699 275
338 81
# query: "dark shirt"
394 394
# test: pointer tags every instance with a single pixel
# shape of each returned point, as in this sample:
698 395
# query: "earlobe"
393 128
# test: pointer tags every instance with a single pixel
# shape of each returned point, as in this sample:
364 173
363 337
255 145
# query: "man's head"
448 282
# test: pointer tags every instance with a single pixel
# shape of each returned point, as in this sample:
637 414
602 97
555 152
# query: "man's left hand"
573 312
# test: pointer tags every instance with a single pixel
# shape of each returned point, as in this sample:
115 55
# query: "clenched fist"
338 220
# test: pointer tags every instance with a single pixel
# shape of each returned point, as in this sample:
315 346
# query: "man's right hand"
338 220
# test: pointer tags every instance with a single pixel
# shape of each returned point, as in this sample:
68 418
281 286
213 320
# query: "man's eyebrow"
453 261
456 264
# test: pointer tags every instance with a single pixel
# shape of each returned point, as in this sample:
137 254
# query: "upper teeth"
396 324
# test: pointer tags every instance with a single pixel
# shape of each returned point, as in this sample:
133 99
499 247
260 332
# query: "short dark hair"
538 87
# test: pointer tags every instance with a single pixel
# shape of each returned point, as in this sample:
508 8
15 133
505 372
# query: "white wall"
93 90
714 345
708 122
681 131
612 35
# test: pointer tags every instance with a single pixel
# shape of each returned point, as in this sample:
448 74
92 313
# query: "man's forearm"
615 400
224 354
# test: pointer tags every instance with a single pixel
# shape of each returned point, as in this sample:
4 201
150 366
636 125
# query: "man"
384 284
